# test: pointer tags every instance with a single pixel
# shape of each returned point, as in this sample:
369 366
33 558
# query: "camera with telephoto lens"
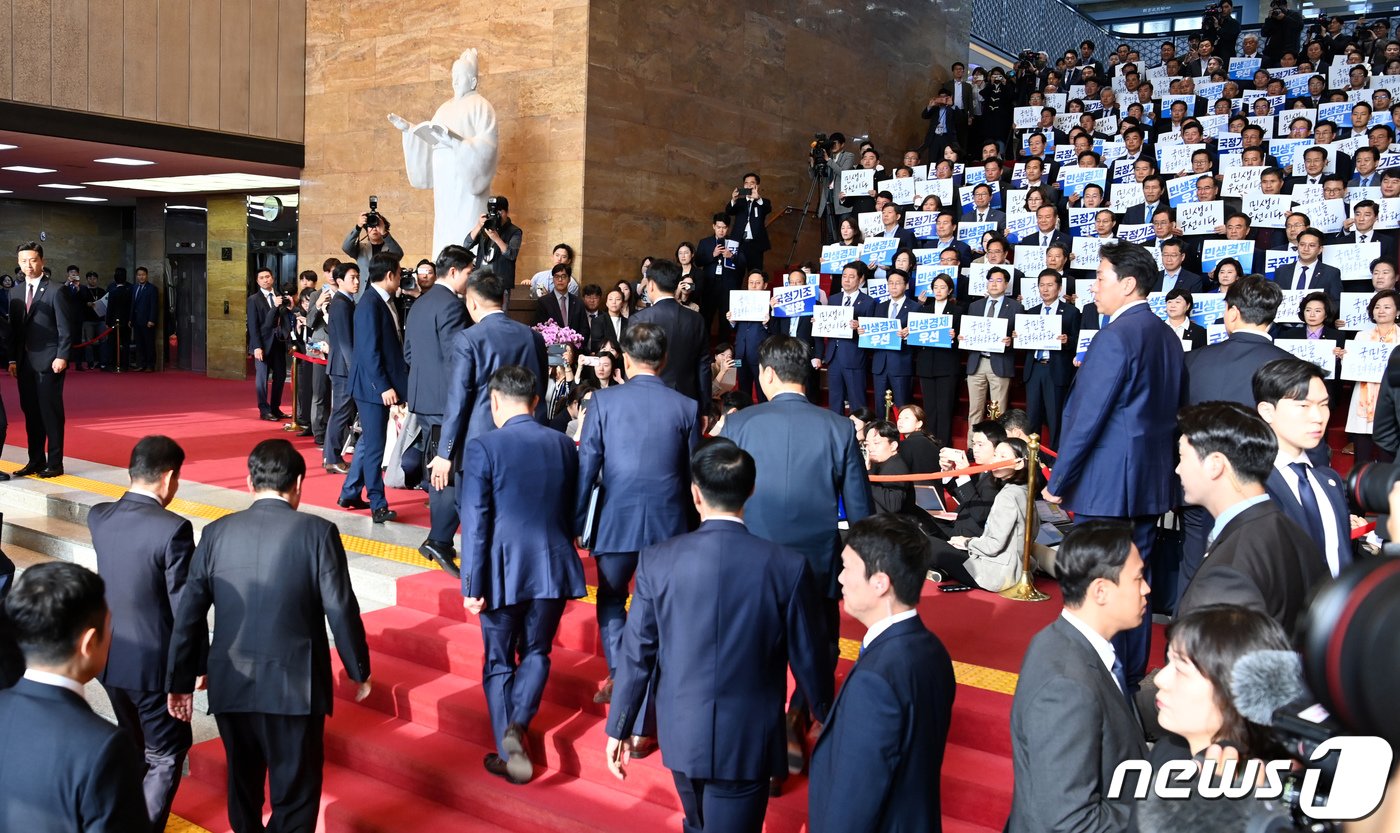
1369 484
408 279
372 218
493 213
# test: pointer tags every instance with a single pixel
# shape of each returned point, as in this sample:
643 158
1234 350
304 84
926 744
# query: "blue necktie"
1122 678
1103 321
1312 513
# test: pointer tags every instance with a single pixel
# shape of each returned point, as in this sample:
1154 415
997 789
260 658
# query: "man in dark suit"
847 363
1072 719
894 369
800 327
433 325
275 577
519 564
145 315
1119 408
1363 229
1308 271
143 553
378 380
643 495
118 317
989 374
1048 373
1291 396
975 493
1257 558
721 268
340 323
982 211
809 467
687 366
40 338
946 231
1047 217
892 218
492 342
564 309
718 616
877 763
267 342
1154 193
1174 273
64 768
749 212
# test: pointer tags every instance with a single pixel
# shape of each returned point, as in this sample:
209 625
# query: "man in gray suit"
829 206
433 322
1072 719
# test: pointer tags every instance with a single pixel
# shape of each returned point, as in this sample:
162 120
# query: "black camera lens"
1369 484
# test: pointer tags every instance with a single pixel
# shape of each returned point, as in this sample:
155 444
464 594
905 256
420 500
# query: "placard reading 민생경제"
1365 361
794 301
924 275
983 335
1207 308
1038 332
1214 251
835 258
879 251
832 321
1315 350
879 333
745 305
928 330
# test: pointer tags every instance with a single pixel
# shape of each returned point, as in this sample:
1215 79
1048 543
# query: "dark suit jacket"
1222 372
1061 361
940 361
478 351
1070 728
434 321
45 332
267 327
143 554
341 324
895 362
547 308
687 367
877 763
603 331
1386 428
994 215
846 353
65 768
1137 215
1033 239
1336 510
964 251
378 364
645 495
783 326
1195 335
275 577
1186 280
1121 406
145 303
517 493
717 617
706 281
1323 276
741 211
1260 560
118 303
807 461
1003 364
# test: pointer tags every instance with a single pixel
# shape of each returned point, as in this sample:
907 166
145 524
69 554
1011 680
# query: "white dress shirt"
1329 529
1101 646
885 624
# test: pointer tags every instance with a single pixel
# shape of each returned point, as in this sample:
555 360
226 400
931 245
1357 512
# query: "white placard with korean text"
1365 360
1038 332
832 321
983 335
1315 350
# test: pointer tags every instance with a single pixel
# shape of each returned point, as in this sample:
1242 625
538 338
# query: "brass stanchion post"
1024 590
889 403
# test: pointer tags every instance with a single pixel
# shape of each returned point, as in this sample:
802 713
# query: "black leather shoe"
497 766
280 415
352 503
517 746
379 516
4 476
337 468
775 786
305 432
268 418
643 746
442 555
28 470
56 471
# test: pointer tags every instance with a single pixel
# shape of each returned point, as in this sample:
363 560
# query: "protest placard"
1138 233
1023 118
1214 251
1241 181
1389 217
901 189
977 278
1086 337
835 258
879 333
1274 258
1085 251
926 257
878 289
1353 312
1353 260
921 224
1081 221
870 223
859 181
924 275
1288 307
983 335
1365 360
1216 333
971 233
1181 191
745 305
794 301
1030 259
1019 226
928 330
1157 302
1125 196
879 251
1200 217
1076 178
1207 308
832 321
1038 332
1243 69
1326 215
1315 350
1266 210
941 188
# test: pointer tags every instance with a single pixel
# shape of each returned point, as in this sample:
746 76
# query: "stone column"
227 317
149 252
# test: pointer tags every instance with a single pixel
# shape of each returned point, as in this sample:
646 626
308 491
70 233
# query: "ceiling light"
201 183
87 199
25 169
8 147
186 208
3 191
122 160
62 186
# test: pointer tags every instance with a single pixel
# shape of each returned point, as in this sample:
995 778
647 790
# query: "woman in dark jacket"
940 369
1179 303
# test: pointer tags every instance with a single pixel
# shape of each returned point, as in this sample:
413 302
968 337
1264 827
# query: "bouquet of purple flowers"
556 335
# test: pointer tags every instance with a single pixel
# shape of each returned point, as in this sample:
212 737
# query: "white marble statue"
454 154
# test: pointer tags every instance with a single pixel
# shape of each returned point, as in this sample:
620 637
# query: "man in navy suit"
40 339
434 322
750 226
493 342
143 553
561 307
1122 409
946 230
378 381
519 564
718 617
877 763
894 369
1048 373
721 269
1174 275
1047 217
145 305
64 768
989 374
340 327
267 342
687 368
847 363
1308 271
1291 396
800 327
1154 191
809 468
643 494
982 211
892 218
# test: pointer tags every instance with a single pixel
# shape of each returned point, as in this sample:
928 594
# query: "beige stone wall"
228 284
367 60
90 236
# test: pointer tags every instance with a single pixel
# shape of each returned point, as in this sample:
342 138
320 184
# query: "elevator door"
190 275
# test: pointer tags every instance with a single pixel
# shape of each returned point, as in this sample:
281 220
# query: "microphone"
1262 682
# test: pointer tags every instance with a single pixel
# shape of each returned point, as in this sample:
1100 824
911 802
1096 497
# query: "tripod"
820 172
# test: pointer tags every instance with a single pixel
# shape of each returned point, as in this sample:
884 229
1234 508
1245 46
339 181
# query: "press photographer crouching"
370 237
495 240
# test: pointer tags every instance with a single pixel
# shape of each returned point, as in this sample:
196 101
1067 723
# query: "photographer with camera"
495 241
1281 30
827 159
370 237
1219 24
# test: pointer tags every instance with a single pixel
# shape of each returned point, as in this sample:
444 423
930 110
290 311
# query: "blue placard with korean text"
835 258
794 301
1076 178
880 333
1206 309
924 275
879 251
927 330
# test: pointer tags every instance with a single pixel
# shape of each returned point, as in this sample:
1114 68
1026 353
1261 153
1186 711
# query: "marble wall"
93 237
227 310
